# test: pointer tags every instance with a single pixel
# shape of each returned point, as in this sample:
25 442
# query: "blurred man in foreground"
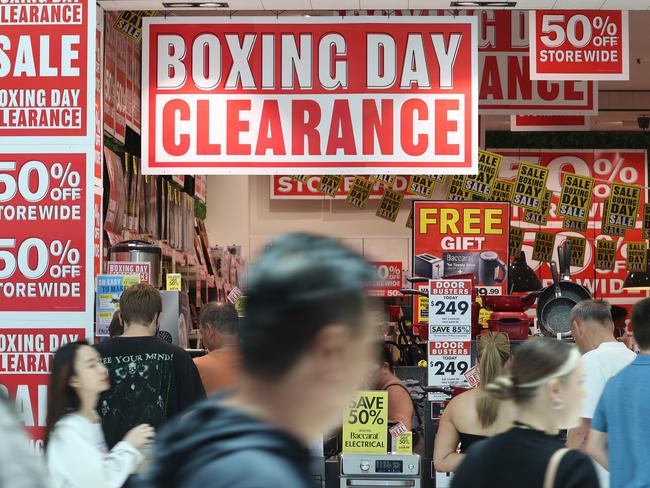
307 345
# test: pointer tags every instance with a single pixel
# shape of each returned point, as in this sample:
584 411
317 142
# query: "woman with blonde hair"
474 415
545 382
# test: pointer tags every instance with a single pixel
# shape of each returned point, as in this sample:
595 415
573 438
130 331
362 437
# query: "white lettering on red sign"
258 98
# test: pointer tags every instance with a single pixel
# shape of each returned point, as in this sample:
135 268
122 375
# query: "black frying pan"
568 289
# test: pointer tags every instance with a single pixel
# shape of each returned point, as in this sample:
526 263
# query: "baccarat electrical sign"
332 95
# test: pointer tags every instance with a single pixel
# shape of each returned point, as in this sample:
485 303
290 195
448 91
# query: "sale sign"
505 85
637 256
606 166
303 187
25 364
458 238
575 199
46 236
365 423
450 332
143 270
353 95
46 69
390 279
579 45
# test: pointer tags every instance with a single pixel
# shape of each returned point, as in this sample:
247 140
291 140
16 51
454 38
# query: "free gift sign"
333 95
579 45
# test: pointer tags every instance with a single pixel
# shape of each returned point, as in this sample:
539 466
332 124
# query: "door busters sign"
337 95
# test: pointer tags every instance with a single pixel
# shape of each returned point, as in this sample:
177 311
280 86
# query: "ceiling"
329 5
620 103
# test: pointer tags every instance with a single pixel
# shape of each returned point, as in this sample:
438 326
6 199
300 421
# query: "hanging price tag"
502 191
605 254
530 187
636 256
544 243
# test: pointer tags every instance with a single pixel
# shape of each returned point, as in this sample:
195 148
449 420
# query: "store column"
47 158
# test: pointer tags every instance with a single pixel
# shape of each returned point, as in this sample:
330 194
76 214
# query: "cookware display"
510 303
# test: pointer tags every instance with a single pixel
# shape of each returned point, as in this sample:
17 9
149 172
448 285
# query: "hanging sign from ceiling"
355 95
579 45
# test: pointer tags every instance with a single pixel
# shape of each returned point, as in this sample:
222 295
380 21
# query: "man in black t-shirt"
151 380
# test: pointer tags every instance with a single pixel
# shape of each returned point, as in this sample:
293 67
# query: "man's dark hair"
641 323
299 285
222 316
140 304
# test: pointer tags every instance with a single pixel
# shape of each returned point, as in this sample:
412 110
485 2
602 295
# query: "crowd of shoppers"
282 376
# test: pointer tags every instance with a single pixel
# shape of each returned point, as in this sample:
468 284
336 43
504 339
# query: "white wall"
240 211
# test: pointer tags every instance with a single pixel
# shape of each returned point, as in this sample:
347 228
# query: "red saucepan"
510 303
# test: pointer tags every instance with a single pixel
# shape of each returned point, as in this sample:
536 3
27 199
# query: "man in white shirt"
603 357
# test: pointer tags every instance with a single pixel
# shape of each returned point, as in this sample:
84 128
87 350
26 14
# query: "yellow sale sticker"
359 192
365 423
605 254
646 221
607 227
405 443
422 185
456 189
516 239
330 184
624 205
637 256
530 186
389 205
544 243
541 217
480 185
575 198
576 225
578 246
173 282
502 191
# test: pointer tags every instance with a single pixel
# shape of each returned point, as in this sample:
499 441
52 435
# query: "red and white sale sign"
46 233
390 279
505 85
288 188
579 45
143 270
354 95
46 69
25 364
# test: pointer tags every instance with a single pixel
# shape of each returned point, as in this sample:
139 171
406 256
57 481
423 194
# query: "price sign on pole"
450 333
579 45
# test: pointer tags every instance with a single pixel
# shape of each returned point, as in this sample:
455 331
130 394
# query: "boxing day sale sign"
354 95
46 69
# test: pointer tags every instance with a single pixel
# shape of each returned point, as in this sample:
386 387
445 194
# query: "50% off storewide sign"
450 333
43 236
364 425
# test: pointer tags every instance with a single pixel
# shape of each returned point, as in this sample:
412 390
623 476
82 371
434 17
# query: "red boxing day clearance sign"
579 45
25 365
46 82
355 95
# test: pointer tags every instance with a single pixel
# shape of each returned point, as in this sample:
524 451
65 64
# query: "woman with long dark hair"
75 446
545 383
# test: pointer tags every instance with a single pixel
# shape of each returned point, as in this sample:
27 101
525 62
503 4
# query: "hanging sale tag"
607 228
456 189
624 205
576 225
605 254
390 205
359 193
502 191
516 240
422 185
578 246
540 218
544 243
488 169
575 199
636 256
646 221
330 184
300 178
387 181
530 186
